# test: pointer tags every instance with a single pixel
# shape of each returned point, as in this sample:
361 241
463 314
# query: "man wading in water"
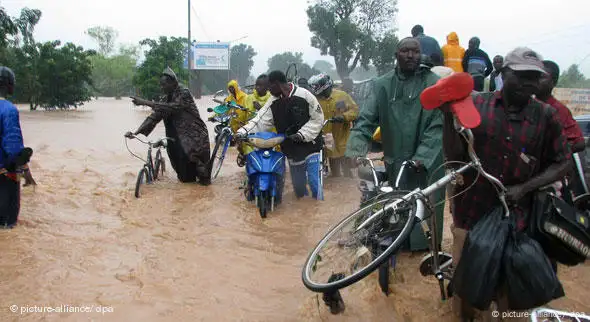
13 155
190 152
408 131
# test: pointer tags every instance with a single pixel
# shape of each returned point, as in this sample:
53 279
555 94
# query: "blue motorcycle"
265 168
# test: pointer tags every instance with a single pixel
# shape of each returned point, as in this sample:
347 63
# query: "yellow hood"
453 39
240 95
260 98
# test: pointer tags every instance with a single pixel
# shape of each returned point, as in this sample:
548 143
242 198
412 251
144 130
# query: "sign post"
211 56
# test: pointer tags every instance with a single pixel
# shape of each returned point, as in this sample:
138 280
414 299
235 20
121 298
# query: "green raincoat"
408 132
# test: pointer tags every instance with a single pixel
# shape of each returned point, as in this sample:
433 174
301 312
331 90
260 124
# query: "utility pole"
188 59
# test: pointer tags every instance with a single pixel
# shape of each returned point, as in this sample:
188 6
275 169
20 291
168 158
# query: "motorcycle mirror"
209 109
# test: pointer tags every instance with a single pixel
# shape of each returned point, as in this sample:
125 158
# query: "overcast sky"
557 29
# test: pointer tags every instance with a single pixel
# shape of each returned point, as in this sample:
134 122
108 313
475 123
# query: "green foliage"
573 78
160 54
64 74
48 74
384 58
112 75
241 62
282 62
349 30
105 36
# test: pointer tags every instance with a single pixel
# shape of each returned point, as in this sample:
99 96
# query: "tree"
348 30
105 36
384 58
241 62
64 74
161 53
113 76
573 78
18 51
282 62
17 32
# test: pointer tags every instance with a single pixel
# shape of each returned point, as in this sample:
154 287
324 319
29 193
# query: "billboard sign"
211 56
576 99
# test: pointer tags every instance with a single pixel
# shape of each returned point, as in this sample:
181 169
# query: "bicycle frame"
424 210
420 195
149 161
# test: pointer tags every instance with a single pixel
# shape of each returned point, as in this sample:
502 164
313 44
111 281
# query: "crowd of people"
526 137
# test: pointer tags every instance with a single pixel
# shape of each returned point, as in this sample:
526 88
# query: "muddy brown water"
182 252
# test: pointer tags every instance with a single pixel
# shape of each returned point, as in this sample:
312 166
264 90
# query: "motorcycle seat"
366 174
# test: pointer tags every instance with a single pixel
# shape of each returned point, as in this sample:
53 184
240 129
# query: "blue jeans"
307 172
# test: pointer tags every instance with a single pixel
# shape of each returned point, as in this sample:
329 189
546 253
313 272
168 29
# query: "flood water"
182 252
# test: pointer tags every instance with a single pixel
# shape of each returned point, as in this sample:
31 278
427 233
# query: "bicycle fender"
264 181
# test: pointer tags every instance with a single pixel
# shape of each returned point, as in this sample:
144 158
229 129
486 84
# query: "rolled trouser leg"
314 176
298 178
347 167
335 166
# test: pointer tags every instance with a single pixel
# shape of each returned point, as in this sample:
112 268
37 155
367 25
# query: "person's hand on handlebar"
129 135
297 137
241 135
515 193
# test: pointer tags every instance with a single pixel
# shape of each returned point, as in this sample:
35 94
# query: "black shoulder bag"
562 230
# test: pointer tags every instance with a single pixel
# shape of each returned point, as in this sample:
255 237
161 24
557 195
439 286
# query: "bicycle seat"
365 173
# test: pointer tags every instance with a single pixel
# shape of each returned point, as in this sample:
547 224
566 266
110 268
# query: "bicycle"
388 216
375 184
225 112
151 168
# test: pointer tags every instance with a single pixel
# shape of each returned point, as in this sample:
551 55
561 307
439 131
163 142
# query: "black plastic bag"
530 278
478 274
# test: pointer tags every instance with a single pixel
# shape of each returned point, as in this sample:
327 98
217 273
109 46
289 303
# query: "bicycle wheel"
218 155
159 165
350 252
142 177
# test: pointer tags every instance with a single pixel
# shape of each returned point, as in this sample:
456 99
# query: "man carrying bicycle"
338 105
295 112
519 141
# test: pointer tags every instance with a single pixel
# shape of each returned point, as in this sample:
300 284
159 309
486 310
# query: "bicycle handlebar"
418 194
160 142
332 120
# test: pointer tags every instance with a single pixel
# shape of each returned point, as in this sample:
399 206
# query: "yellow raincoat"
254 97
339 103
377 135
453 53
240 99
